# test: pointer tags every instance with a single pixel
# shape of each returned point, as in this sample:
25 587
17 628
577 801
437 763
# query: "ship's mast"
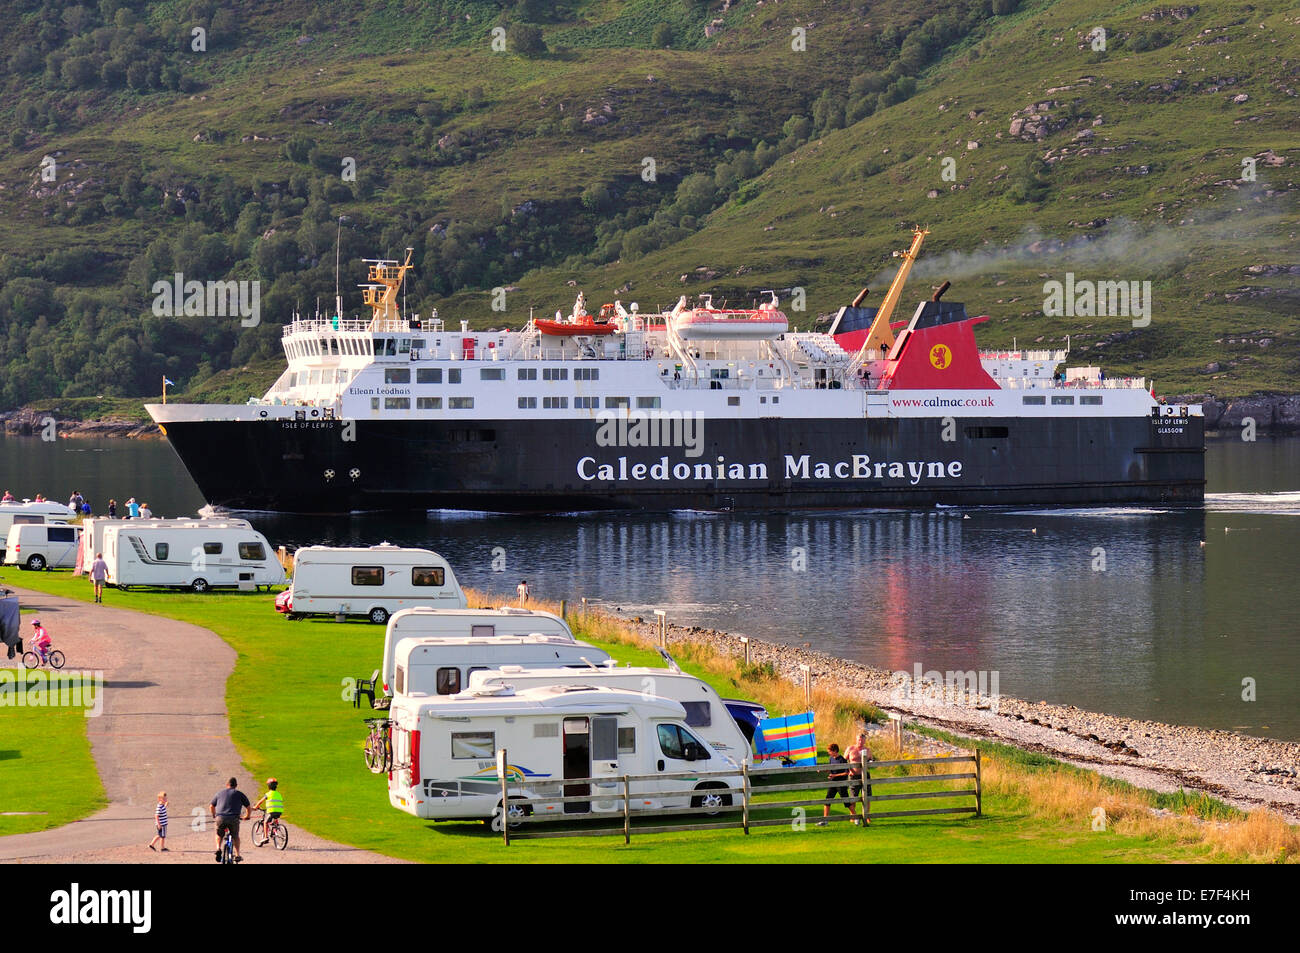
380 292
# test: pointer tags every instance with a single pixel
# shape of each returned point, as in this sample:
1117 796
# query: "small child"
41 641
274 802
160 822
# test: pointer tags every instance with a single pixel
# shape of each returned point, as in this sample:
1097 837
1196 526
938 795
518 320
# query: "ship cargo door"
877 405
577 763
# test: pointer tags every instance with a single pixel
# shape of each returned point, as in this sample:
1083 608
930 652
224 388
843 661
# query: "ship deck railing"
1044 356
1047 383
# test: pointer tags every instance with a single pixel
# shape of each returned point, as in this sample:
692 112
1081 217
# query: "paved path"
163 727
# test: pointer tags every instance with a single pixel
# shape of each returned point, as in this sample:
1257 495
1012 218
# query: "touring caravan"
706 714
92 535
372 581
42 545
20 514
189 554
444 666
464 625
445 752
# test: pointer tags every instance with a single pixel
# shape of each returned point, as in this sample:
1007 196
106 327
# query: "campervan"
465 625
189 554
443 666
19 514
372 581
705 712
42 545
445 753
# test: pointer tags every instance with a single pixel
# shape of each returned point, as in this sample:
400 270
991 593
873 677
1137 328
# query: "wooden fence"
625 805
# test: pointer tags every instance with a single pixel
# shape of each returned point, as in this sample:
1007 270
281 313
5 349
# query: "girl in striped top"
160 822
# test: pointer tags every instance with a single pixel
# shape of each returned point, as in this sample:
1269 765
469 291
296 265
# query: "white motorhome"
705 713
445 752
189 554
444 666
371 581
461 625
38 546
20 514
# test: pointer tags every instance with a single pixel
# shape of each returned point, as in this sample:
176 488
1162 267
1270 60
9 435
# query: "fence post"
807 683
564 609
584 608
744 640
978 795
502 761
663 628
744 796
627 814
865 791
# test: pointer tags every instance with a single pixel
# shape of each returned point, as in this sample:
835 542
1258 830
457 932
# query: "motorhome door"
577 763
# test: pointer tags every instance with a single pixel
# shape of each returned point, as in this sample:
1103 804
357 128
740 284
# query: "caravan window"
627 739
698 714
160 551
212 549
367 575
448 681
399 679
427 576
476 745
482 631
255 551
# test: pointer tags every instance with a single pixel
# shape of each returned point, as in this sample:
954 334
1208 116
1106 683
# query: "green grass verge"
47 776
289 718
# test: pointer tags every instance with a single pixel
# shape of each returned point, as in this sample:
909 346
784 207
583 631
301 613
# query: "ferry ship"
696 408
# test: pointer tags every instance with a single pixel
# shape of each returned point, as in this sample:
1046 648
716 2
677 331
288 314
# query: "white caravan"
445 753
42 545
461 625
189 554
371 581
705 713
20 514
92 535
444 666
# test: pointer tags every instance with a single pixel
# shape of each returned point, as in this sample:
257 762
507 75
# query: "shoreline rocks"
31 423
1243 770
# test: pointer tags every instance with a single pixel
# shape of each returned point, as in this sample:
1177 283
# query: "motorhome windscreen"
427 576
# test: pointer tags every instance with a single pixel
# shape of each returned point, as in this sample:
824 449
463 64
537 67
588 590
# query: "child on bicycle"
274 802
41 641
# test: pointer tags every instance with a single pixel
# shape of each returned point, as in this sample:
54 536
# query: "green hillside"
793 145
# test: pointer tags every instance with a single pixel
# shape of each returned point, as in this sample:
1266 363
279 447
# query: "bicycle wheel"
257 833
374 754
31 660
280 835
228 851
387 754
56 659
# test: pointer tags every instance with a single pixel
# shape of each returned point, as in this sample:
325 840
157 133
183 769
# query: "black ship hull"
337 466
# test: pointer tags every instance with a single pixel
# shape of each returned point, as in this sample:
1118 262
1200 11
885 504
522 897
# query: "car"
746 714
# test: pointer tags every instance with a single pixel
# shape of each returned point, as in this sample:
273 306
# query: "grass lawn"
289 718
45 764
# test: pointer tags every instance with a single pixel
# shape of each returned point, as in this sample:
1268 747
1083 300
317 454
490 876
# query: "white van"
460 625
705 713
189 554
445 666
371 581
445 752
27 512
42 545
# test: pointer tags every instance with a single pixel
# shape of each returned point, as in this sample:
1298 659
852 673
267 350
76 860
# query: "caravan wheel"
379 615
517 810
199 585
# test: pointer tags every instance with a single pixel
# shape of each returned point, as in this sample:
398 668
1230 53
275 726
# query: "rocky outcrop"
32 423
1274 413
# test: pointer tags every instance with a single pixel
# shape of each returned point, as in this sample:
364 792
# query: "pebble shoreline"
1242 770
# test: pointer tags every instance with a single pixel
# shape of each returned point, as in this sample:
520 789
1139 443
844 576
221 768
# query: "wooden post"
744 640
744 795
584 608
505 796
627 813
564 609
807 683
863 793
663 628
978 794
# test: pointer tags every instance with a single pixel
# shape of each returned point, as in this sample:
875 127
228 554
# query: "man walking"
99 575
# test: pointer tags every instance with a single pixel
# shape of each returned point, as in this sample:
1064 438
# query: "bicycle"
277 835
379 747
33 659
228 848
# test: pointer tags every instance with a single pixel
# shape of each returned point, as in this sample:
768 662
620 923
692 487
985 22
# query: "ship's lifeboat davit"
580 323
707 322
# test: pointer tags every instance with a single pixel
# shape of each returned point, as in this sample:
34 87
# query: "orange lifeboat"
580 323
